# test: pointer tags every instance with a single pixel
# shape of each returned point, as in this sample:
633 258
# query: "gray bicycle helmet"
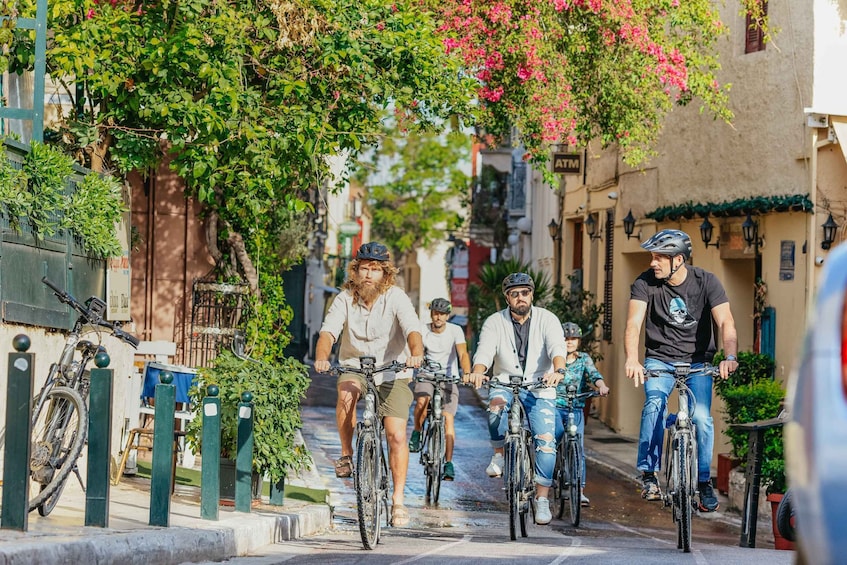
572 330
669 242
373 251
516 280
440 305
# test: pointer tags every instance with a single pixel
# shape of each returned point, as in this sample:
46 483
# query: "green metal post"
99 434
161 478
210 472
244 457
278 492
15 512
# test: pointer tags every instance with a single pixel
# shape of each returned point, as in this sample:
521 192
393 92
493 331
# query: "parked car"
816 435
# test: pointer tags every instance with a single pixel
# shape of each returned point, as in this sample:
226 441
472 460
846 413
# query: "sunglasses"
522 293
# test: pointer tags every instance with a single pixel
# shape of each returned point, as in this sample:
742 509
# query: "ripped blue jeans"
541 414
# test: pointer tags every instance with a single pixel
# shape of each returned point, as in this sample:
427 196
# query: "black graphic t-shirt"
678 325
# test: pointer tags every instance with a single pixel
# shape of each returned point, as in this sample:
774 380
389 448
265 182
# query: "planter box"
228 481
726 463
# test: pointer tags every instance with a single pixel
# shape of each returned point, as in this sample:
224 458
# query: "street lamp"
829 229
555 230
591 227
750 231
629 226
706 233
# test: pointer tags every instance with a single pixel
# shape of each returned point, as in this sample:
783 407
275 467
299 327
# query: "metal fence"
217 311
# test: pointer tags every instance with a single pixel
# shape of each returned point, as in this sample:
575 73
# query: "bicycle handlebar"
367 370
512 385
89 316
711 370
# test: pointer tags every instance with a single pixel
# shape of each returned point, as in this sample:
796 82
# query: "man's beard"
367 293
521 309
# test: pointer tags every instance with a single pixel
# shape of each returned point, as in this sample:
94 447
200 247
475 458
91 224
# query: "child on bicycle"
579 370
444 343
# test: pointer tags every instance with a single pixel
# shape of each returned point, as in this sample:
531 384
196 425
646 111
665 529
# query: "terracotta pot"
779 542
726 463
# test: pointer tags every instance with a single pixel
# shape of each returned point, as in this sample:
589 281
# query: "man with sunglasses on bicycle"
523 339
444 343
375 318
680 304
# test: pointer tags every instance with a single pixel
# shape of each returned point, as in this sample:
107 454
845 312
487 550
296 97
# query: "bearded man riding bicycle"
523 339
377 319
680 304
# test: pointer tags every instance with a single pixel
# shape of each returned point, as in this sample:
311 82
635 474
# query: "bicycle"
60 413
433 452
568 474
681 470
370 474
519 457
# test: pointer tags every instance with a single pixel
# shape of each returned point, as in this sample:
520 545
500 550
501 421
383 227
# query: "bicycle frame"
60 412
681 469
519 456
370 476
568 476
433 452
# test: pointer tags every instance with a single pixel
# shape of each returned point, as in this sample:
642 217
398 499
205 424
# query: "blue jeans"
542 421
654 413
579 420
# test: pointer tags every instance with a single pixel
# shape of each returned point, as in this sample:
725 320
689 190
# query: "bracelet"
731 358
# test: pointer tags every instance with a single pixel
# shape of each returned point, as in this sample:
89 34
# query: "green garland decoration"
733 208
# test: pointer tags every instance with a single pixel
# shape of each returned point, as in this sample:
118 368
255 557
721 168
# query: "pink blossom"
380 26
89 14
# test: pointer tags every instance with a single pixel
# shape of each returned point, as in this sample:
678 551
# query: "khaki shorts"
449 395
395 397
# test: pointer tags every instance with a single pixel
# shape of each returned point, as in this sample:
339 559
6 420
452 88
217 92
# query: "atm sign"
566 163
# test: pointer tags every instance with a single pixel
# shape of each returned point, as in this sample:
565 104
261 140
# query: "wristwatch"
731 358
562 371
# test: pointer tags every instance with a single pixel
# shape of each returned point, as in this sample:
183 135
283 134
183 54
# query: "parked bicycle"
433 452
370 475
569 473
681 454
60 412
519 472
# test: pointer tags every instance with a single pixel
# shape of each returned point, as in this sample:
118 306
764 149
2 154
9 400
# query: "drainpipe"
811 225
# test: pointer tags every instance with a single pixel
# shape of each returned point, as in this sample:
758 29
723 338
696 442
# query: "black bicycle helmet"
517 279
572 330
669 242
373 251
440 305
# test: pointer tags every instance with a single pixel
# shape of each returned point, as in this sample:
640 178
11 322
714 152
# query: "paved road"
471 523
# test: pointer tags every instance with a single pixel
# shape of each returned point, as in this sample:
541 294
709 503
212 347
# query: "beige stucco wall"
766 151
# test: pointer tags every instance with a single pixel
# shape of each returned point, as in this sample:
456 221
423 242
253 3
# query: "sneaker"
650 487
542 511
708 500
449 472
415 442
583 500
495 468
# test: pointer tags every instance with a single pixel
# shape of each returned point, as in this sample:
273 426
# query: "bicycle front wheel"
575 480
527 486
513 484
367 484
560 473
436 462
58 435
682 507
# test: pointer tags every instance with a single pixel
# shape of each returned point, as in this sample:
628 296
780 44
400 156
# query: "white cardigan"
497 347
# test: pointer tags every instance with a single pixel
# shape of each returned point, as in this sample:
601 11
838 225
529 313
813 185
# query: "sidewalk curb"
235 536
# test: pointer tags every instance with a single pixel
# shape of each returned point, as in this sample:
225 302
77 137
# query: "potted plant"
752 367
277 390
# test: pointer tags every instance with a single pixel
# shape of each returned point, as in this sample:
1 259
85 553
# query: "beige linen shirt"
380 332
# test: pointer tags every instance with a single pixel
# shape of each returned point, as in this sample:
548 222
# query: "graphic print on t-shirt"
679 316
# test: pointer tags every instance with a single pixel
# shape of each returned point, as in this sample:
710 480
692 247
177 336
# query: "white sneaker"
495 468
584 500
542 511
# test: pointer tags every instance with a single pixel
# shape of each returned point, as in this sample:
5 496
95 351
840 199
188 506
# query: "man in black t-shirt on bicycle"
679 303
